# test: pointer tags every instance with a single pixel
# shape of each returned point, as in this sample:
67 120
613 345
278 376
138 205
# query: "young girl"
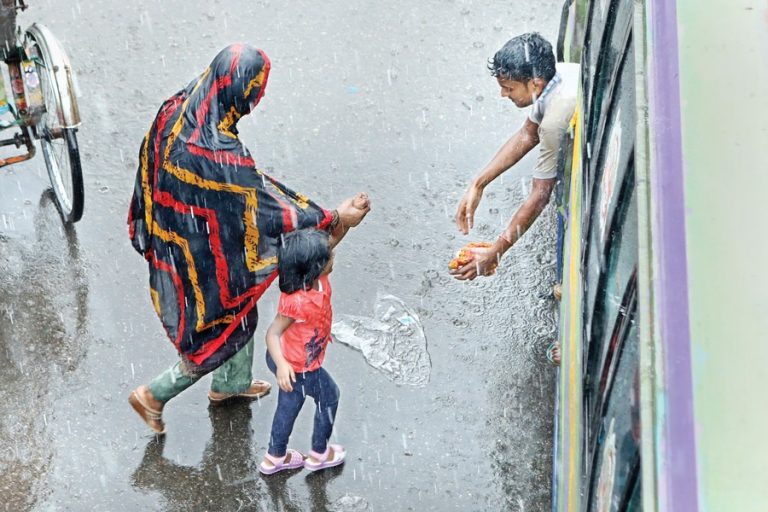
296 342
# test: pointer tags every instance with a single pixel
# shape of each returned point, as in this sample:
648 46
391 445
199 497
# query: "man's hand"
508 155
482 264
352 211
285 377
521 221
465 214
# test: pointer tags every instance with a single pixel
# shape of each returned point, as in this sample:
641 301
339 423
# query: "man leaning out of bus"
527 75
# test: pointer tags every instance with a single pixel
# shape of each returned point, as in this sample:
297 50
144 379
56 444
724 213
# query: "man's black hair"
524 58
302 256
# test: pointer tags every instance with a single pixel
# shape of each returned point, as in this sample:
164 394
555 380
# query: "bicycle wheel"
62 158
59 144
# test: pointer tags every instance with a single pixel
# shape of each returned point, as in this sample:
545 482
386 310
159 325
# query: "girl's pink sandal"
279 464
339 454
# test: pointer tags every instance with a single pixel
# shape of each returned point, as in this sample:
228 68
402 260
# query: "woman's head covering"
230 88
207 221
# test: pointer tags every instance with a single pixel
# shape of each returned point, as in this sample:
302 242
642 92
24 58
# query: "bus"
660 403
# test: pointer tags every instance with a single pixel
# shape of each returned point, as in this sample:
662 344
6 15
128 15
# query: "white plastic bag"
392 341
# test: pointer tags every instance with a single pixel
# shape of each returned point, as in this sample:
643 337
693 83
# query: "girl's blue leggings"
320 386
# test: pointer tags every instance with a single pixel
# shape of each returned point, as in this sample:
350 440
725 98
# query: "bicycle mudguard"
56 59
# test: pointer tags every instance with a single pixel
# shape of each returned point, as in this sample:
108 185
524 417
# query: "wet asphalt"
391 98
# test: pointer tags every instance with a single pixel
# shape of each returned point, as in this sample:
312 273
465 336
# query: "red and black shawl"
207 221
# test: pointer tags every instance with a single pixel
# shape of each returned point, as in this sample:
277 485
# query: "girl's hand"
483 264
285 376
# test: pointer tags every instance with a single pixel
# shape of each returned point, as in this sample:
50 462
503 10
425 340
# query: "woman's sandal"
339 454
279 464
153 418
258 389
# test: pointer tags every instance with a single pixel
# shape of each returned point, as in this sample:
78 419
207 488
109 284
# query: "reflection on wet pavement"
227 476
43 311
225 473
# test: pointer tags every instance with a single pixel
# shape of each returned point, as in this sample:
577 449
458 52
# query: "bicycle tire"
59 145
70 202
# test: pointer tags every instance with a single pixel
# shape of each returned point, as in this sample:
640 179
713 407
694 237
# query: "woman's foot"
258 389
271 464
150 410
333 456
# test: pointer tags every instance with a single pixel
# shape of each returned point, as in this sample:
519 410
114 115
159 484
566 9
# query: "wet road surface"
362 96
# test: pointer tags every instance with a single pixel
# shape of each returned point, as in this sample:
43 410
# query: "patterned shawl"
207 221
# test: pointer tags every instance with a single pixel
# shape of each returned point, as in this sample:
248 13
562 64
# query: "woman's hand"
361 201
465 213
352 211
483 264
285 377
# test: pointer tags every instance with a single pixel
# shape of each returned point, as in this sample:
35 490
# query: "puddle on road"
349 503
392 341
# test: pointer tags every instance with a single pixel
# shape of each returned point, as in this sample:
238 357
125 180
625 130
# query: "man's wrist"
502 244
480 182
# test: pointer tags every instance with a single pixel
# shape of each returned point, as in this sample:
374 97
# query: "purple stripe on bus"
677 481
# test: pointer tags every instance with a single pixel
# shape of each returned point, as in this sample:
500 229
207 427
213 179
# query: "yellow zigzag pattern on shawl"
155 300
233 115
145 181
226 123
169 236
301 200
257 81
253 262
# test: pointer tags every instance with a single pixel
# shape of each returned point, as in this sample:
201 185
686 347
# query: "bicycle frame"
41 104
29 104
8 10
11 55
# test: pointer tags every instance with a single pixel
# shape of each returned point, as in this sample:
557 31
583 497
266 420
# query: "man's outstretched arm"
523 218
528 212
525 139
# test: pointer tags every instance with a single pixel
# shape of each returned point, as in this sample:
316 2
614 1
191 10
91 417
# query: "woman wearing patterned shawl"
208 223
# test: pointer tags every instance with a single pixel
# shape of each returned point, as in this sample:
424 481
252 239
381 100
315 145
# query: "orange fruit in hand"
465 255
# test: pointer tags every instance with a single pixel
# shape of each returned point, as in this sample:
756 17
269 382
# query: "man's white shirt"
552 112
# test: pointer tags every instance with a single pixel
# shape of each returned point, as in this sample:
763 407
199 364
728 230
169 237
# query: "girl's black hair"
302 256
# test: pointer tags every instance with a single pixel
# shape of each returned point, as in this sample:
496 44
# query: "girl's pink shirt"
304 342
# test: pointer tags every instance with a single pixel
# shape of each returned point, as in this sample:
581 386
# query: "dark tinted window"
616 470
613 187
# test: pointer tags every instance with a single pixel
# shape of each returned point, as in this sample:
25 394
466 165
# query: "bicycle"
42 106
